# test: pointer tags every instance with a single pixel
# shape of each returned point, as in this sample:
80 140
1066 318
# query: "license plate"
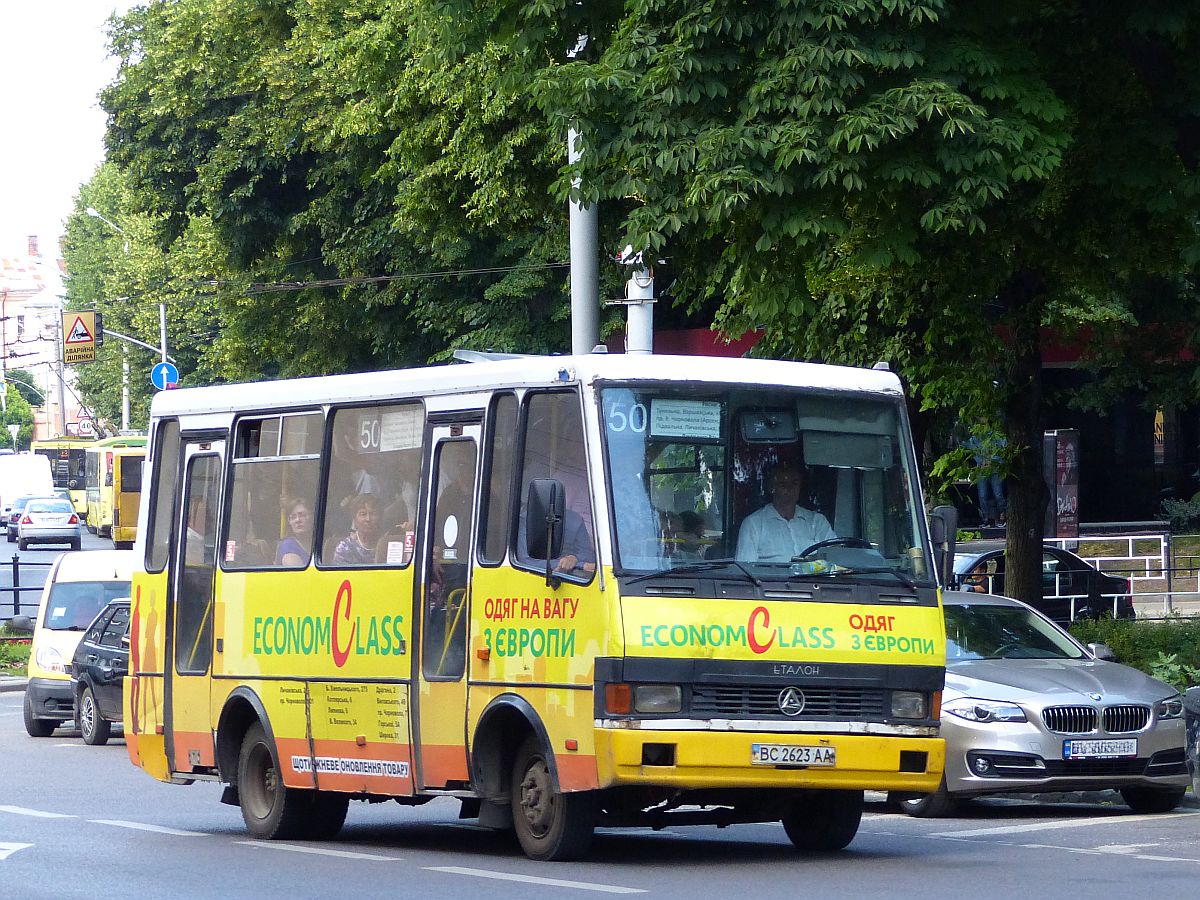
789 755
1092 749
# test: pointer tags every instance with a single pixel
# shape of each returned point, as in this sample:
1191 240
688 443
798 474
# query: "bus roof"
529 371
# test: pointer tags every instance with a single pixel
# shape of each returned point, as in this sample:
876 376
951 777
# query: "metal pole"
585 266
162 329
62 400
124 387
639 311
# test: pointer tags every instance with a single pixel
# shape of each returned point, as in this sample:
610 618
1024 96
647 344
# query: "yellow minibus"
565 591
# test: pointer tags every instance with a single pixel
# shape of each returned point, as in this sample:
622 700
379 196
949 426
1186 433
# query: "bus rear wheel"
551 826
824 820
270 809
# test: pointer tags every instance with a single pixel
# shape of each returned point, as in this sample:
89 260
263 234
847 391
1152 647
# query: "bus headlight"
909 705
657 698
49 659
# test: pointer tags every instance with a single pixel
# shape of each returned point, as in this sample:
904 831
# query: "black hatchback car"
97 671
1071 587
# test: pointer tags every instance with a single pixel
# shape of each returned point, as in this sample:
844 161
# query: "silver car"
1028 708
49 521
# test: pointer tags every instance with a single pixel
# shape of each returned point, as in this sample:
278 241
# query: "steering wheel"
836 542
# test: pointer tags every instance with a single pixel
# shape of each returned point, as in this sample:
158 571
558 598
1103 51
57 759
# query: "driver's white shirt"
766 536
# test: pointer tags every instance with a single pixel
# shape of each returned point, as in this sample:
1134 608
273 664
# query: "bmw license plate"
790 755
1093 749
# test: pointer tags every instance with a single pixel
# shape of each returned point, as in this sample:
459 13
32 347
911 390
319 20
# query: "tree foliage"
930 182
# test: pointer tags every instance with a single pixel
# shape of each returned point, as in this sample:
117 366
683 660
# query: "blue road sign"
164 375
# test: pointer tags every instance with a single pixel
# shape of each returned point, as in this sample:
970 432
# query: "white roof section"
531 371
95 565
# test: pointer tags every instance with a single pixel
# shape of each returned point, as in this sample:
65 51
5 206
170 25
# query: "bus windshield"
776 484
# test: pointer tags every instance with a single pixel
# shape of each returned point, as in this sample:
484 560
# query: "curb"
8 684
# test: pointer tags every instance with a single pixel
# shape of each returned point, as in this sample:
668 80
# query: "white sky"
53 64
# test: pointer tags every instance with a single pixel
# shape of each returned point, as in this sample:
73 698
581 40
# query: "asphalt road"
77 821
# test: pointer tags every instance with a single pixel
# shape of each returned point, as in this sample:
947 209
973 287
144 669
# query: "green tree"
16 411
931 181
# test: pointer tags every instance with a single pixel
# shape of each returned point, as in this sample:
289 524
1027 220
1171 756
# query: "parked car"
14 514
49 521
1072 588
1027 708
97 670
77 587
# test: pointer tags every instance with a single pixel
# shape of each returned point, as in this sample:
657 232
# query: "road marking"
72 744
142 826
319 851
534 879
1102 851
7 849
24 811
1050 826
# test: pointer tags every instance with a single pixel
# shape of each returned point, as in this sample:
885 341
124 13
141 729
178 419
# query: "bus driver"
782 529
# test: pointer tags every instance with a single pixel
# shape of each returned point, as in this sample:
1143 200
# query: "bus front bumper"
722 759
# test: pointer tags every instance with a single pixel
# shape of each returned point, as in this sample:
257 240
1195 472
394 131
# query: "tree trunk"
1027 492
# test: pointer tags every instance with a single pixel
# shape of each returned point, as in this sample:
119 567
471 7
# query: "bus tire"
551 826
93 727
326 815
270 809
824 820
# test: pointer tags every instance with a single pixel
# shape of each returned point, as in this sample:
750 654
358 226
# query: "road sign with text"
79 337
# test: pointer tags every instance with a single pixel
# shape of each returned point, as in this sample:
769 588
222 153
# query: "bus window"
501 451
373 485
554 448
443 645
273 494
162 509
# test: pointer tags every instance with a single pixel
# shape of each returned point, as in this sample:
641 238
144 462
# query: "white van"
24 474
78 587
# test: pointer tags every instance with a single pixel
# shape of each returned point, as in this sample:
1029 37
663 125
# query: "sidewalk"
10 683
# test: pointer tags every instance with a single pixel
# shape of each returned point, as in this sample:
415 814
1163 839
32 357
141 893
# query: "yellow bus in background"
126 492
99 463
68 457
519 583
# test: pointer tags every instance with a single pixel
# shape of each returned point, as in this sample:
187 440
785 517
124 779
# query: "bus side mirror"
544 507
943 531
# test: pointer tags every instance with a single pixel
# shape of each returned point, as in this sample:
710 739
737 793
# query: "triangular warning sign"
79 333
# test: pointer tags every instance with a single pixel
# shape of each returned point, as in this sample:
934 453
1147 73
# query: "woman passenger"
296 546
358 547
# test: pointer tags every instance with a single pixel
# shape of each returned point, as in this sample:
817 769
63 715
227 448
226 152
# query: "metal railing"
12 603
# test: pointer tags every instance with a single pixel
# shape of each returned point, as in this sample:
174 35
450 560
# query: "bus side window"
554 449
273 493
373 485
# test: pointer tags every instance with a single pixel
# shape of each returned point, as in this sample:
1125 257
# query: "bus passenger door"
444 595
189 651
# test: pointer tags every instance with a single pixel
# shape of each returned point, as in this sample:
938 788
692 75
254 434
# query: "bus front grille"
729 702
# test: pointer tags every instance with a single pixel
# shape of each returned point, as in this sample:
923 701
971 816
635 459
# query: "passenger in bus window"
296 546
689 537
782 529
358 547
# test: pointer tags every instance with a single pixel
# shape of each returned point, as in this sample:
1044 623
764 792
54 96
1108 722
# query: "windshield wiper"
867 570
693 568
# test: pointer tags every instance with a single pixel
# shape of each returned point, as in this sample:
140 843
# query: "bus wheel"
550 825
270 810
326 816
824 820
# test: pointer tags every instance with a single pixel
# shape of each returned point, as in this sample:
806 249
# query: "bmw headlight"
49 659
1171 708
984 710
